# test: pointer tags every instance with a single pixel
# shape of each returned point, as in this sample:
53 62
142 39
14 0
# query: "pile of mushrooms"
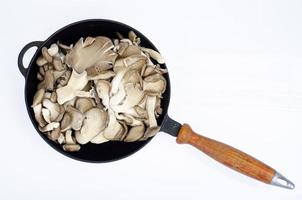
99 90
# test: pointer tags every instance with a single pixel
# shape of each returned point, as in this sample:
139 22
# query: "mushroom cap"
77 118
49 127
95 121
135 133
91 53
154 54
38 115
54 108
84 104
38 97
114 128
103 89
155 84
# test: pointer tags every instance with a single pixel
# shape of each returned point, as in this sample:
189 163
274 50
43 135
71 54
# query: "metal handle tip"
281 181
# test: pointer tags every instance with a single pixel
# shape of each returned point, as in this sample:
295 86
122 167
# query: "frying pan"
114 150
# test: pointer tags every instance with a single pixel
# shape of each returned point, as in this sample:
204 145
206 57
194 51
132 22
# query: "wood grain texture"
227 155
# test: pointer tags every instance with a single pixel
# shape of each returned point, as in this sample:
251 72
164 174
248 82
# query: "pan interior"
109 151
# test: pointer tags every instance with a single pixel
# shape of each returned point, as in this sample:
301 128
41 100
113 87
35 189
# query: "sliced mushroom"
49 127
75 83
135 133
38 115
98 54
53 49
38 97
154 54
95 121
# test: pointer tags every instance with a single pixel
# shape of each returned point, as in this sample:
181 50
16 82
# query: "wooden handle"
227 155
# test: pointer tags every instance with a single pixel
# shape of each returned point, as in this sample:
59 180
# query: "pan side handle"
21 67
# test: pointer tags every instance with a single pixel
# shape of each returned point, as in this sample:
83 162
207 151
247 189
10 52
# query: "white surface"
236 75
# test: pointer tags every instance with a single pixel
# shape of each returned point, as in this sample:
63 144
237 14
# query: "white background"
236 76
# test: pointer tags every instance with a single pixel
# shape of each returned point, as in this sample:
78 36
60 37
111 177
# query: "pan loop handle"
21 67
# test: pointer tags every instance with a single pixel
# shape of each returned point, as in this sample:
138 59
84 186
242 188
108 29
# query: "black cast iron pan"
112 151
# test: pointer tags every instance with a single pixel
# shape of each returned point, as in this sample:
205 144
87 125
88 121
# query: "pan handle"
21 67
233 158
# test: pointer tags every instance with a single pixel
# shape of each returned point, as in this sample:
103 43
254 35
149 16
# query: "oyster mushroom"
46 115
135 133
63 80
84 104
154 54
150 132
107 74
103 89
38 115
71 147
133 37
54 134
48 81
49 127
95 121
54 108
53 49
53 97
61 139
38 97
75 83
133 96
114 128
66 122
91 53
46 55
132 62
150 107
155 84
57 63
41 61
77 118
